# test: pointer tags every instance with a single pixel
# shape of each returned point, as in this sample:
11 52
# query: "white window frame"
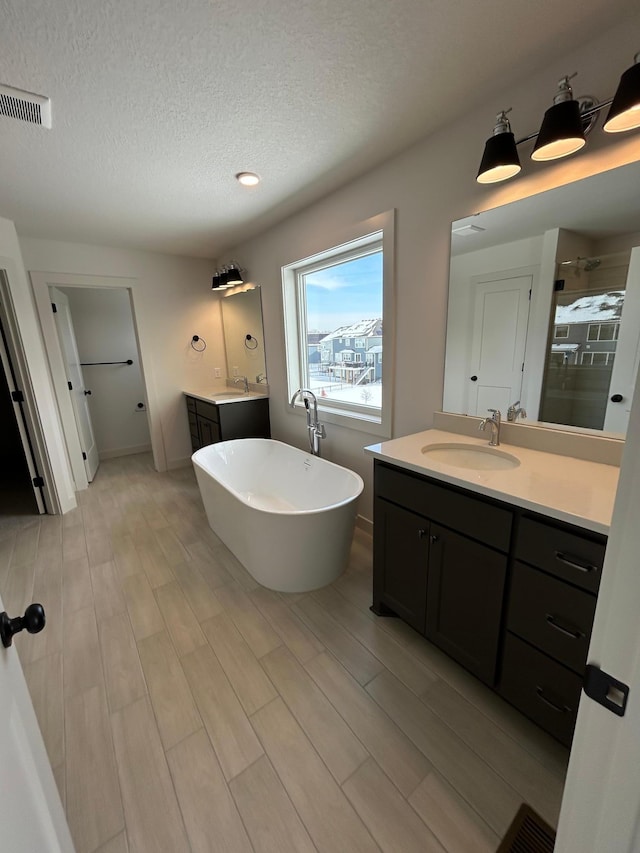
557 331
351 243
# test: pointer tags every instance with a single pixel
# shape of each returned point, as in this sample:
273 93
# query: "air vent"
25 106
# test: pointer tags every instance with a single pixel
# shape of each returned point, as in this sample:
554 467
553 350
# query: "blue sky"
345 293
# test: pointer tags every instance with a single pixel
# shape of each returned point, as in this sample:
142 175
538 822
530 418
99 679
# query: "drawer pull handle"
575 635
561 709
574 563
421 533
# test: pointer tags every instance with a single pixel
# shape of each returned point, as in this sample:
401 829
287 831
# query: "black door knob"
617 398
33 620
87 393
474 378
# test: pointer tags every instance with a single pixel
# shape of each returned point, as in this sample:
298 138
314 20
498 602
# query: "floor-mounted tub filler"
287 516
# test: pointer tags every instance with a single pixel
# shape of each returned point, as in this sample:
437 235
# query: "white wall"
103 326
430 185
172 301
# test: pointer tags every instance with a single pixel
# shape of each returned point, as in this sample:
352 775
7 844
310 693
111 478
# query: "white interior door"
31 814
601 804
77 390
625 366
499 335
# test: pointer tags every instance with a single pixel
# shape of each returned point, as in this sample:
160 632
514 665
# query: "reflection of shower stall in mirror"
592 355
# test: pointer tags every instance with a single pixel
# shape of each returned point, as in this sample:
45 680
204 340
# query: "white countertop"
561 487
218 396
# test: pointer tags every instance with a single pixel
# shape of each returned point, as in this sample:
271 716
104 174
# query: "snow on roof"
592 309
361 329
377 348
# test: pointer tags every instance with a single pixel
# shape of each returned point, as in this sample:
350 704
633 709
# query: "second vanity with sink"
226 414
495 555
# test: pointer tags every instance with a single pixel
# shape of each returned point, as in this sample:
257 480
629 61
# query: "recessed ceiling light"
248 179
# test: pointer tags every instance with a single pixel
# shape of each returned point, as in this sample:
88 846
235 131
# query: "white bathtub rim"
358 481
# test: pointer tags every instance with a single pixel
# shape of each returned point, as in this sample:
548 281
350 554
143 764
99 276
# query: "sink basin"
477 458
231 392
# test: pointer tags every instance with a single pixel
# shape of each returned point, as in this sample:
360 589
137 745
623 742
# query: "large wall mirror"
544 306
244 335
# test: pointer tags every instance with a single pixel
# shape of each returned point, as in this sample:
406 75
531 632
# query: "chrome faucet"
242 379
315 429
515 410
494 421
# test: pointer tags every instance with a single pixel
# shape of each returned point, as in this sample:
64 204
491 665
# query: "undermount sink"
230 392
478 458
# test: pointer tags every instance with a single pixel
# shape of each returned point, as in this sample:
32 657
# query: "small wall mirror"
244 335
544 306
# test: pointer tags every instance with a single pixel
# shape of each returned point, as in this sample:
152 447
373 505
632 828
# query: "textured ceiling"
158 103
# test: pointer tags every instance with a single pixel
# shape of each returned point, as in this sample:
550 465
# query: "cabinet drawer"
191 404
545 691
567 555
552 615
479 520
207 410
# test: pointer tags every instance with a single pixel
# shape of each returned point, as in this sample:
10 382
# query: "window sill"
360 421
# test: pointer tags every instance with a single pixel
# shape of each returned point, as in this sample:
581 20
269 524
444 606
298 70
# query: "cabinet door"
209 431
400 562
464 600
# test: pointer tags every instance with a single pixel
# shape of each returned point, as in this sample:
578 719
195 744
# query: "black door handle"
33 620
87 393
474 378
617 398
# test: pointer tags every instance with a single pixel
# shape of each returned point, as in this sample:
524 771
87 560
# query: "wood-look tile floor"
184 707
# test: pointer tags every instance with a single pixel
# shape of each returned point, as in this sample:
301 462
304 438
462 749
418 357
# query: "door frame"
36 448
41 281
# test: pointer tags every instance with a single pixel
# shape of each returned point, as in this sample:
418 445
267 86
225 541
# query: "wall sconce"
563 128
227 276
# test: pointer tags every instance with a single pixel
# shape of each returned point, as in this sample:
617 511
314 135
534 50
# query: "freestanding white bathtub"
287 516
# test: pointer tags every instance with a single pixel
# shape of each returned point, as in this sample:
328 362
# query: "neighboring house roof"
361 329
377 348
591 309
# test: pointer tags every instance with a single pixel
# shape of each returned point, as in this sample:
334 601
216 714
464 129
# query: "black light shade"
233 275
624 113
500 159
561 132
215 281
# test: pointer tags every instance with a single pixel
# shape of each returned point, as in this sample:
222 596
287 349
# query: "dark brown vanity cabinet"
552 602
444 583
209 423
509 594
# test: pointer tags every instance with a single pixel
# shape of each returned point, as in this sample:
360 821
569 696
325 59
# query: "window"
345 294
603 331
599 359
561 332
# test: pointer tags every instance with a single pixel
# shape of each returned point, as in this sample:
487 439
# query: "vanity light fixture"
227 276
500 159
564 126
625 108
248 179
561 132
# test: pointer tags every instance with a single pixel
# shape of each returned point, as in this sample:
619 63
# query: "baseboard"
364 524
181 462
124 451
